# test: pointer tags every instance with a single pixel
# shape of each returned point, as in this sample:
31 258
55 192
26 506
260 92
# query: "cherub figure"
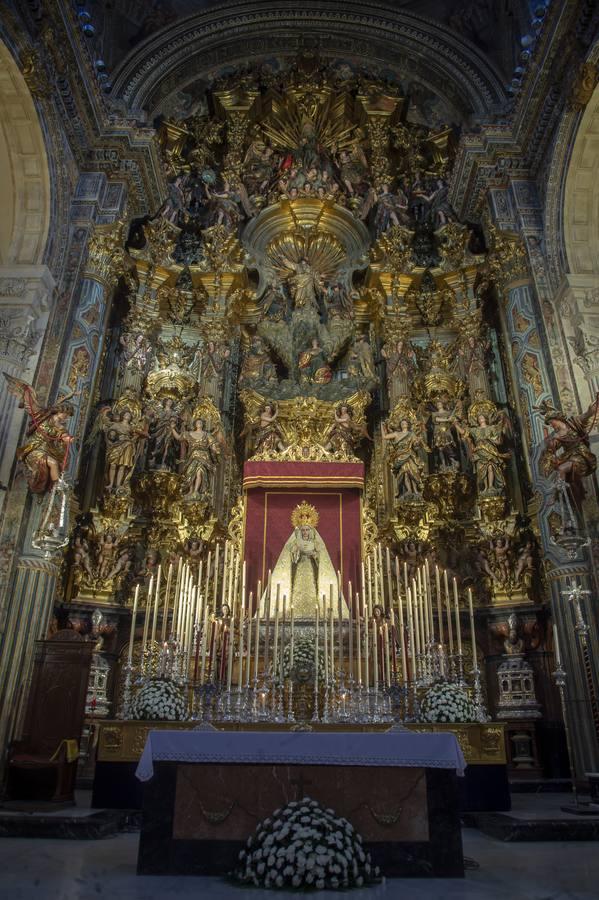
46 451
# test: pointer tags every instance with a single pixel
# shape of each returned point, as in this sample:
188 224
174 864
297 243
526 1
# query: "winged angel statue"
46 451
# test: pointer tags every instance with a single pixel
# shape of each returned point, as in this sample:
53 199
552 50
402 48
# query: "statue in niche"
306 285
402 366
567 448
216 357
484 435
304 568
201 453
406 447
442 420
474 353
162 449
363 352
45 454
125 433
267 433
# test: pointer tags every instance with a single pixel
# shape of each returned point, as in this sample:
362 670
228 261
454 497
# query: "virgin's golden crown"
304 514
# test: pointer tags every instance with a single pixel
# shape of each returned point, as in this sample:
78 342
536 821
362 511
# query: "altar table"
205 792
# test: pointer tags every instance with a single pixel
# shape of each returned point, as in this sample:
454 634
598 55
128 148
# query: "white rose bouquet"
160 700
445 702
303 656
306 847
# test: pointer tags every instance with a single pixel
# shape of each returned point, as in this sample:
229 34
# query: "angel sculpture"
269 438
345 434
406 447
487 430
124 439
567 449
46 452
200 460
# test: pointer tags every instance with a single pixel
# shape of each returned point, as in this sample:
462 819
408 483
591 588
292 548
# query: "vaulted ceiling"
495 27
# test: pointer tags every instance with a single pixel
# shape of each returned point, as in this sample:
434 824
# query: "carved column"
533 382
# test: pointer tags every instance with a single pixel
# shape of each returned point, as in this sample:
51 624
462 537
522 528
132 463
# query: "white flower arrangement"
161 700
306 847
446 702
303 656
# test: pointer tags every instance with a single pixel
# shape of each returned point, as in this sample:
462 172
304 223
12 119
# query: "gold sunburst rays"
323 250
329 120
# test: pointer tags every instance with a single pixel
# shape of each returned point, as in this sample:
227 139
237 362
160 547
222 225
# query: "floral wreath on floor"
307 847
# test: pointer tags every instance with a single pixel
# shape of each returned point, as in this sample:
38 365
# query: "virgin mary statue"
304 569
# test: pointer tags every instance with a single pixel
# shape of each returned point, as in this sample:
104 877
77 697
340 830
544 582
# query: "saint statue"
304 569
406 447
305 284
200 459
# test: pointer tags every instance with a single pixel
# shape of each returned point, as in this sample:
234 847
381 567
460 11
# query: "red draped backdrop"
273 490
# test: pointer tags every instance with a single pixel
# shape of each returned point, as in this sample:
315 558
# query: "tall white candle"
147 614
316 650
340 619
556 648
167 596
366 649
375 652
359 637
325 636
439 605
204 640
230 648
156 602
458 628
248 670
448 611
275 647
292 647
472 628
351 630
133 621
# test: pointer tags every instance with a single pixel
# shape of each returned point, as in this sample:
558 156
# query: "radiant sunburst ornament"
304 514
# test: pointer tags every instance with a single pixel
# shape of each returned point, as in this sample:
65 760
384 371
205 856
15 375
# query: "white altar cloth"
401 749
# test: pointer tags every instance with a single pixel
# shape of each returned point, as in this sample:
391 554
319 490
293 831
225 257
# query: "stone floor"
89 870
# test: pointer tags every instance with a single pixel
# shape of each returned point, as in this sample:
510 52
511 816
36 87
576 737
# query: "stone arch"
239 30
24 174
581 195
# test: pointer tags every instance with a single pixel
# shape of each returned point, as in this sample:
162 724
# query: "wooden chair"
43 764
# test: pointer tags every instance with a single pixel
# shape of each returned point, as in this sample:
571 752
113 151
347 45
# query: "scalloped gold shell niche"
323 250
304 514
